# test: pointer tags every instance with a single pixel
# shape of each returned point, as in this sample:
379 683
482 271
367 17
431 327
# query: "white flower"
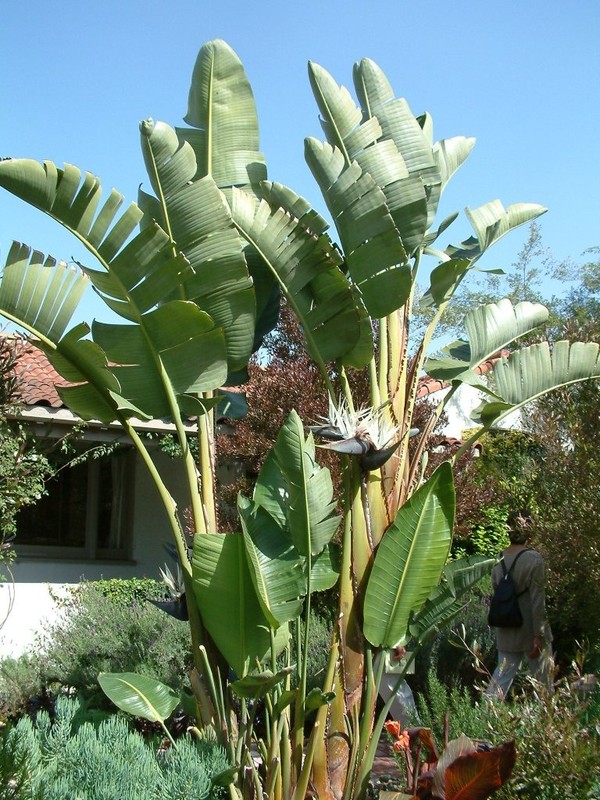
371 425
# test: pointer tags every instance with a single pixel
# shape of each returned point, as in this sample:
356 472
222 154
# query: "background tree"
566 426
23 467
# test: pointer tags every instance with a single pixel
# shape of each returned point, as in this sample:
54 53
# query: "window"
86 513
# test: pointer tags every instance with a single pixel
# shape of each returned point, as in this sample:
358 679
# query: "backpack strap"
520 553
510 569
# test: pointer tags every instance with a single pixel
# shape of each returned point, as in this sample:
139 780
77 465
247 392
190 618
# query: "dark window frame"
91 550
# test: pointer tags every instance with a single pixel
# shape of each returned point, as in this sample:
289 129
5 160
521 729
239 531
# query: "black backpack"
504 605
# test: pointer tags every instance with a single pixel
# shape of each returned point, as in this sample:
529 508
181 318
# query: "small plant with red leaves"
465 770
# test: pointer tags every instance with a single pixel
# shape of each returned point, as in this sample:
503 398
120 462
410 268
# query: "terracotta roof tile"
37 378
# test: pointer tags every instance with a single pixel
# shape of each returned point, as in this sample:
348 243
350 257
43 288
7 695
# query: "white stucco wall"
26 604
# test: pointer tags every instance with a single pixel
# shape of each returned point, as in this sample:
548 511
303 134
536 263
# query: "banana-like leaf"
375 153
275 565
38 293
307 269
325 568
96 393
533 371
228 604
137 272
197 216
222 111
446 600
257 685
399 125
490 328
224 136
296 491
139 695
490 222
280 196
450 154
375 256
410 560
445 279
190 353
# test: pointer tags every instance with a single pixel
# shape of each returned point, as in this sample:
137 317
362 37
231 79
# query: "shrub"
72 756
319 642
558 754
104 630
557 736
450 712
20 681
448 652
106 626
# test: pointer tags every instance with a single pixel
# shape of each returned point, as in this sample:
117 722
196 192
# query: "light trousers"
541 669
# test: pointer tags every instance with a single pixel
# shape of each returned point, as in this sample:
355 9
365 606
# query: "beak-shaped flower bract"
366 433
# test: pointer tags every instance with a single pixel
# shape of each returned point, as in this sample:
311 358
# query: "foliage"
23 467
75 755
129 591
558 754
195 271
458 653
565 427
463 769
452 711
103 628
556 735
20 681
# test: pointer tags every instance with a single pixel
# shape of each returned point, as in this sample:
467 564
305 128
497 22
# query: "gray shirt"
529 578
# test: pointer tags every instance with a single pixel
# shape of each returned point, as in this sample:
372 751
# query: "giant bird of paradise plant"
195 270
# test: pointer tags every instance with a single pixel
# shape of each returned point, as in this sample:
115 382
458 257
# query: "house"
101 518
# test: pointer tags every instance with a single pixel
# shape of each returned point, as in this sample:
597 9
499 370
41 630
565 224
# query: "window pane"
112 494
59 518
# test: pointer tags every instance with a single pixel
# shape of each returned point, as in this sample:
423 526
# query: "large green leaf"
399 125
375 256
296 491
222 111
176 348
409 560
197 217
446 600
138 273
280 196
490 328
325 568
275 565
224 135
228 604
490 222
450 154
444 281
307 269
39 293
360 138
533 371
139 695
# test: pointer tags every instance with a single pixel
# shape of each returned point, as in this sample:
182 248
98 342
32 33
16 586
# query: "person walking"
532 639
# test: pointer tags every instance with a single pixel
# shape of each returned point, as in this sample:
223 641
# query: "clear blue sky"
521 76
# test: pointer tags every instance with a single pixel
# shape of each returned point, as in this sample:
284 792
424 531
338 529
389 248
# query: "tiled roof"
38 378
